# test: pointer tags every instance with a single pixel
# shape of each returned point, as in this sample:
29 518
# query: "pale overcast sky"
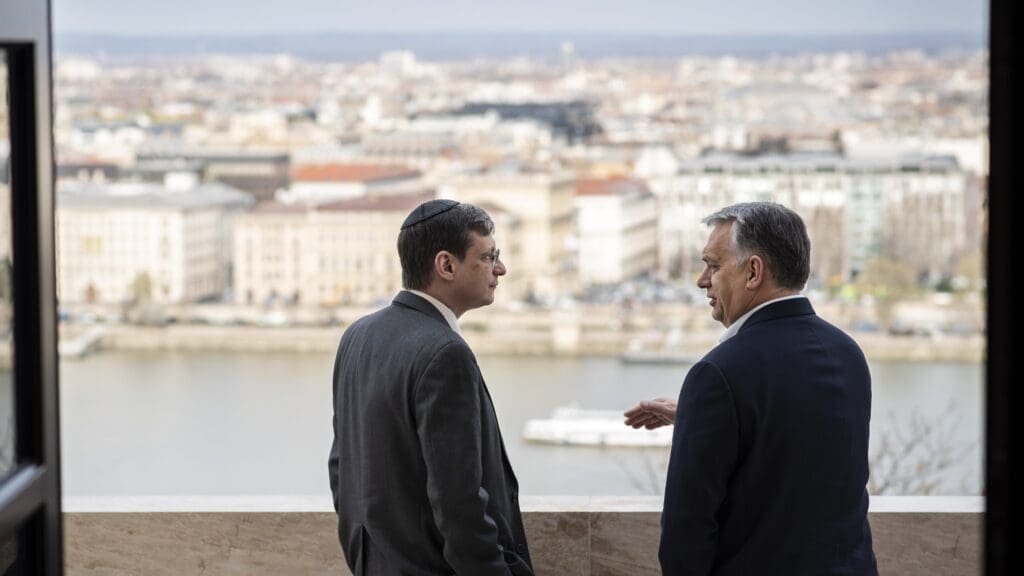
763 17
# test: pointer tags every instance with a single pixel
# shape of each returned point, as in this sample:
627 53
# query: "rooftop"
384 203
351 173
214 155
613 186
274 207
148 195
818 162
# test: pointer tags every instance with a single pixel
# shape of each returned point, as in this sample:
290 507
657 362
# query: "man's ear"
756 272
444 265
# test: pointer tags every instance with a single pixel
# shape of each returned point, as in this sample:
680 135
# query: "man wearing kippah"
418 469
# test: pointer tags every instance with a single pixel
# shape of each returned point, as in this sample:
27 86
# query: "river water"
188 424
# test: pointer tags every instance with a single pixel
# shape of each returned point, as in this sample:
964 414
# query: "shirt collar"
445 311
734 328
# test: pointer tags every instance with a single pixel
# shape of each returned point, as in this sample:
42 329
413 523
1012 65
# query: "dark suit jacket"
769 454
418 470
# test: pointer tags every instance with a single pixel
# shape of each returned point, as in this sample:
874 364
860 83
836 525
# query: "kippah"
428 210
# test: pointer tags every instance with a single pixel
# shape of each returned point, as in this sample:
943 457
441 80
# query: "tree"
917 456
646 472
6 289
142 288
969 272
888 282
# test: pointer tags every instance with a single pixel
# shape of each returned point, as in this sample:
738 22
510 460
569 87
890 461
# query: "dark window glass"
7 456
6 299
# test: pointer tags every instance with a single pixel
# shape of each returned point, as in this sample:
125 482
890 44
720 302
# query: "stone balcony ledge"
569 535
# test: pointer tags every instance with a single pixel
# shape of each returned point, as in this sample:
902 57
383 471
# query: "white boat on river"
571 425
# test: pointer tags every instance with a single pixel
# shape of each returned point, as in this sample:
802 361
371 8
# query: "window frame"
30 503
1004 510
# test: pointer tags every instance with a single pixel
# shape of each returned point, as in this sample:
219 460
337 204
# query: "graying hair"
773 232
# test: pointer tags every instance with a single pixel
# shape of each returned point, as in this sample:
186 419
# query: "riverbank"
563 339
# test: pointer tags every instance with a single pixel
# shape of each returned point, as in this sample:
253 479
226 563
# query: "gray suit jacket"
418 470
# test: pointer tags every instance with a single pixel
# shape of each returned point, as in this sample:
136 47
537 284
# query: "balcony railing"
569 536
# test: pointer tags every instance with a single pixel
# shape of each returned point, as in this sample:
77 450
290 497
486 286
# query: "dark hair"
773 232
420 243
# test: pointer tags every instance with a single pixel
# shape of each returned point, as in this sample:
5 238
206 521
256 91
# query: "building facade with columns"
338 253
130 242
910 209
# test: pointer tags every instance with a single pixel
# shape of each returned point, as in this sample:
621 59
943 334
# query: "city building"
909 209
335 253
138 242
317 183
420 149
573 121
257 172
616 230
339 253
269 246
543 203
86 169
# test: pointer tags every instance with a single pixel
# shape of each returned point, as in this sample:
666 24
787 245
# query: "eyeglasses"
491 258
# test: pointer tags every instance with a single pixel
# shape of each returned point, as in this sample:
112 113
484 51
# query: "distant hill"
342 45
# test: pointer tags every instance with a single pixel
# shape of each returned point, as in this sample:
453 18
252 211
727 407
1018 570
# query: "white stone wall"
568 535
353 257
101 252
617 237
268 257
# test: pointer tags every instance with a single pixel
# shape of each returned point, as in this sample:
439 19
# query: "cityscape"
215 210
277 182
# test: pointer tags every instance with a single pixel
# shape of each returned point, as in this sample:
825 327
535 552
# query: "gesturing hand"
651 414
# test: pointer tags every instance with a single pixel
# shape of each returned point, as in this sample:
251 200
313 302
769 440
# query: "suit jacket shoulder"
410 327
